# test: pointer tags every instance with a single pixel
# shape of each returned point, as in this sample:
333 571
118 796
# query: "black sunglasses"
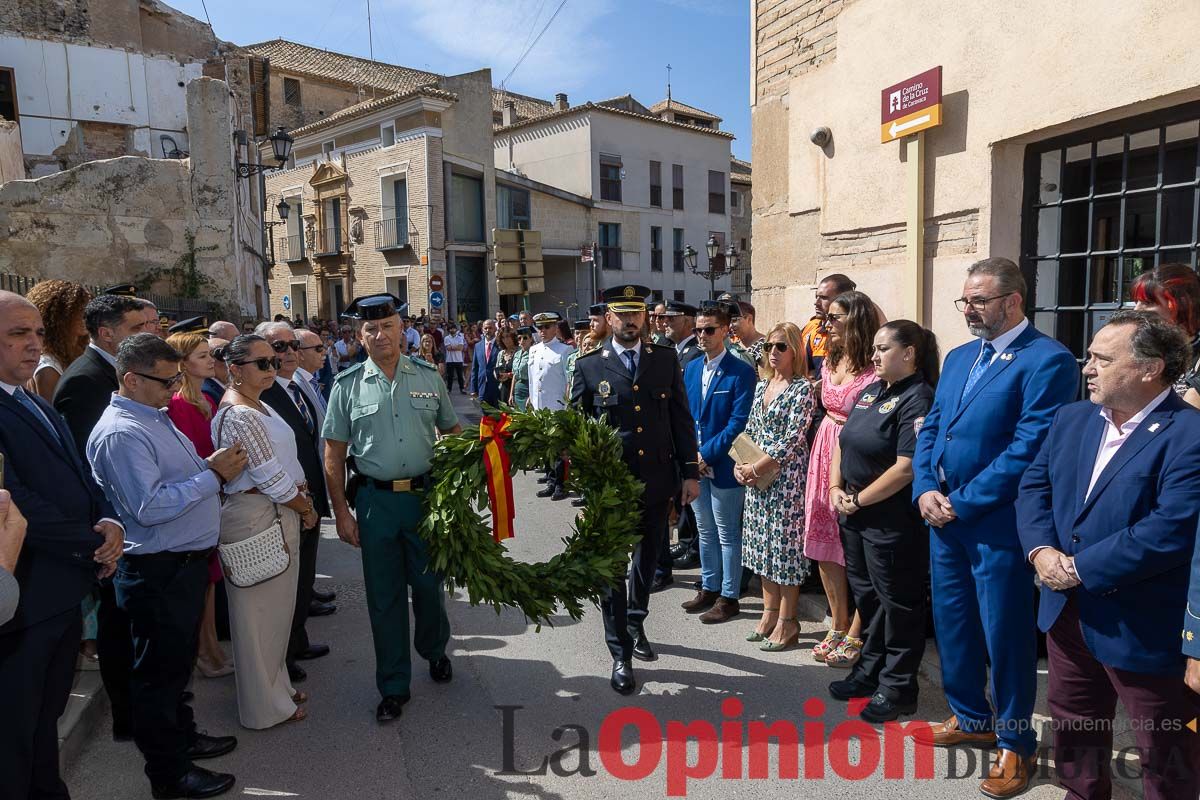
263 364
707 330
282 347
320 348
780 346
167 382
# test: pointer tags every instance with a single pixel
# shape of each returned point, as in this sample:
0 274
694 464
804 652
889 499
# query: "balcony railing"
391 234
329 241
291 248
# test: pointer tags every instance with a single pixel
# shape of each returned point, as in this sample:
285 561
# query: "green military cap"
525 330
597 309
375 306
192 325
678 308
583 324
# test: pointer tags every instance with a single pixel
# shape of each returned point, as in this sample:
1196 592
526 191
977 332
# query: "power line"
533 44
206 17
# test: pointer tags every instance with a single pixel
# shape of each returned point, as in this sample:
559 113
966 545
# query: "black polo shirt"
882 426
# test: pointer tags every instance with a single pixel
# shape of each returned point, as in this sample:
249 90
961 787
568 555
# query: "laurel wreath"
596 553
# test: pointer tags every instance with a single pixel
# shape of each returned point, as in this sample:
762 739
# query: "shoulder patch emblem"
866 399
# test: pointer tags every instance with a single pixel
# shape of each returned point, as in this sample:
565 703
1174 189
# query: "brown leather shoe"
1009 775
701 602
948 734
723 610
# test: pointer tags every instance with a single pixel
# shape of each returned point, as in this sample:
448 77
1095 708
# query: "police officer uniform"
547 374
520 368
582 326
688 349
886 542
389 428
648 406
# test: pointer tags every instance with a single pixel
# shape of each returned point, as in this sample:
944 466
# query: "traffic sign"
911 106
437 299
287 303
436 283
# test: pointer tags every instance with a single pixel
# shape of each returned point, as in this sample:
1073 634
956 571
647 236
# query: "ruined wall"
318 100
145 26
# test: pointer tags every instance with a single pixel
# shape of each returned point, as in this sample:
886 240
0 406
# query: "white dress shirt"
1115 436
619 349
107 356
547 374
1001 342
710 369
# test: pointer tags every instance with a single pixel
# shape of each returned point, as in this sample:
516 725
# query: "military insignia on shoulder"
605 388
604 354
1007 356
420 362
649 349
347 371
889 405
918 423
423 395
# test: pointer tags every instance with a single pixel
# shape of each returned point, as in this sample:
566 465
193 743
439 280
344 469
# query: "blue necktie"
318 391
32 407
632 365
302 406
985 361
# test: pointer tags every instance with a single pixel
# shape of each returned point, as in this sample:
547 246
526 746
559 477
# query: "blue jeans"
719 524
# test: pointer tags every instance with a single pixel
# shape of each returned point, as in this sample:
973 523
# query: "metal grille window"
677 249
610 245
610 178
655 248
1102 206
291 92
716 192
677 187
656 184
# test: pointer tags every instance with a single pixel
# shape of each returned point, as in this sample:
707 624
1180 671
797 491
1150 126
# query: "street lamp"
281 149
718 263
283 209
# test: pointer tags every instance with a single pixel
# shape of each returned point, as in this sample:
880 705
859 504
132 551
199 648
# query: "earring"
237 382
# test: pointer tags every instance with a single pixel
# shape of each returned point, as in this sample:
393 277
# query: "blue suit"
720 416
1132 537
982 585
483 373
1191 619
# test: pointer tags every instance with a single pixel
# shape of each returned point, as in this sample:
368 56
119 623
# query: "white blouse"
48 361
270 444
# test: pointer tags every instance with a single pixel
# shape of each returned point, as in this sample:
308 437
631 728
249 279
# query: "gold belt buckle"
404 485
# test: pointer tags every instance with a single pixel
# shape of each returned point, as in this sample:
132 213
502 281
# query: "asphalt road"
453 740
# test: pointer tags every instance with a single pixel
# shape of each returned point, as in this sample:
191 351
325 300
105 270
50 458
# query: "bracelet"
754 471
854 499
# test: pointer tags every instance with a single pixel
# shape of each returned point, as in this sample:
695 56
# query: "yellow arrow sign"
1192 726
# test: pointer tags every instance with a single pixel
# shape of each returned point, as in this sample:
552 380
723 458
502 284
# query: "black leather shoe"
850 689
204 746
321 609
881 709
642 650
313 651
548 491
441 670
544 479
324 597
623 681
689 560
390 707
296 673
661 582
578 502
196 782
559 494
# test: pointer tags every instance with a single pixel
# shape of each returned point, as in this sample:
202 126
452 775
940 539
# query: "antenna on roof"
668 84
370 35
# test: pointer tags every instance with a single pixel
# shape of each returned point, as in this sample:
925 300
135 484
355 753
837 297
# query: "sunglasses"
320 348
780 346
282 347
707 330
263 364
167 382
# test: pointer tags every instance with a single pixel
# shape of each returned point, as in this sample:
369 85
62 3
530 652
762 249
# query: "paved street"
450 740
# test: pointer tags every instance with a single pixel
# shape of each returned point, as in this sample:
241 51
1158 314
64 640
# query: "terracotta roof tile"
683 108
613 110
341 68
366 107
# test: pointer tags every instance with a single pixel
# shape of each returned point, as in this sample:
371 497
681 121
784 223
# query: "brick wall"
792 37
953 234
317 100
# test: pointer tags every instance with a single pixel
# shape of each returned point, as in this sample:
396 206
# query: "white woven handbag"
258 559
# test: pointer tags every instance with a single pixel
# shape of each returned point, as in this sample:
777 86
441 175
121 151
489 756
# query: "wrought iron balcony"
291 248
330 241
391 234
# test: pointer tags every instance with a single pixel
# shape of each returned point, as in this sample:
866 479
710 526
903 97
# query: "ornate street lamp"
281 149
283 209
718 263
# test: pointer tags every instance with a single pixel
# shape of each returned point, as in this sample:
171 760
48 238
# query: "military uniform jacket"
689 352
547 374
650 411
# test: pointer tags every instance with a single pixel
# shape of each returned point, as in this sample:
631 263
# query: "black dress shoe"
642 650
559 494
579 502
623 681
324 597
689 560
661 582
296 673
441 671
851 689
204 746
313 651
548 491
316 609
196 782
389 708
882 709
544 479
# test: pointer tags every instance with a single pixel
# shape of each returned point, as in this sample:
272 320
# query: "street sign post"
436 300
911 106
287 303
436 283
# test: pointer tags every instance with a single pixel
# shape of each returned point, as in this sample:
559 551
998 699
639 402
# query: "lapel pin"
1006 356
1154 427
604 354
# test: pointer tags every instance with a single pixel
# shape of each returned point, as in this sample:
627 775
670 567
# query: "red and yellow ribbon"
493 432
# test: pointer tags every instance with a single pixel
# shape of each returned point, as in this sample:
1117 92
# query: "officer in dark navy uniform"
638 389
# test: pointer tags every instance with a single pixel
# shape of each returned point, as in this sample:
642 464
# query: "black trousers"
163 594
687 536
627 604
454 370
887 566
298 640
115 649
37 666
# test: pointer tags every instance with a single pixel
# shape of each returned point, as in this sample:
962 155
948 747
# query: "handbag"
746 451
258 559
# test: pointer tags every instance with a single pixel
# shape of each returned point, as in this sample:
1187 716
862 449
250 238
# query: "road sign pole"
914 278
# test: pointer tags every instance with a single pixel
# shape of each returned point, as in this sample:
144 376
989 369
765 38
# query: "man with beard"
638 389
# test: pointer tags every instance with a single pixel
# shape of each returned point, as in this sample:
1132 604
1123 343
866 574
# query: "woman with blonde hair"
428 352
61 305
773 519
192 411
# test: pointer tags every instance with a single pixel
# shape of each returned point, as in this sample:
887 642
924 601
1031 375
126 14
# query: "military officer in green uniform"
384 413
520 368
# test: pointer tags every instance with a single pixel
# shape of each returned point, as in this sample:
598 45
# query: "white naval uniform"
548 374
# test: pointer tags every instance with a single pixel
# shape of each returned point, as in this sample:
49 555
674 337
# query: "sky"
593 49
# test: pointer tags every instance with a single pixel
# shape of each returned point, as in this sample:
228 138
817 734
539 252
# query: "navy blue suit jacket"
56 492
723 413
1132 538
1191 619
983 441
483 374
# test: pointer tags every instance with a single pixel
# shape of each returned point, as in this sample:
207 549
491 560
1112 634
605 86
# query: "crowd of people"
162 486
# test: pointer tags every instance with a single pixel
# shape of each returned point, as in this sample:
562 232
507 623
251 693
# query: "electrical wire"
533 44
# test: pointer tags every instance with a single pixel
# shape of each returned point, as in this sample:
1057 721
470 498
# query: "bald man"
222 330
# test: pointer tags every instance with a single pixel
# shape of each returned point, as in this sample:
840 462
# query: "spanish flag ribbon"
493 432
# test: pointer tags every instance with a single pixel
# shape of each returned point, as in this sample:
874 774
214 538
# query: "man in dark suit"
214 387
1107 515
638 389
82 395
991 411
484 386
305 418
71 537
678 320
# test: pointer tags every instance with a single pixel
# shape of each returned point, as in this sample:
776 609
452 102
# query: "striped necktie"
294 388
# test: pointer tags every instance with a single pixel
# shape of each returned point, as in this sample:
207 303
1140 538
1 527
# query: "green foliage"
596 553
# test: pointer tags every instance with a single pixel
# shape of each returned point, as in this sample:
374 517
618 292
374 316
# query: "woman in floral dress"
773 519
845 372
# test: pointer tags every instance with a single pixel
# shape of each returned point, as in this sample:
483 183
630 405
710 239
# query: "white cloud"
494 33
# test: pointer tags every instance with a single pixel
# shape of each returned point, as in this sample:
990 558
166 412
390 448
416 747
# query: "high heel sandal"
847 653
299 698
788 641
298 715
754 635
828 645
